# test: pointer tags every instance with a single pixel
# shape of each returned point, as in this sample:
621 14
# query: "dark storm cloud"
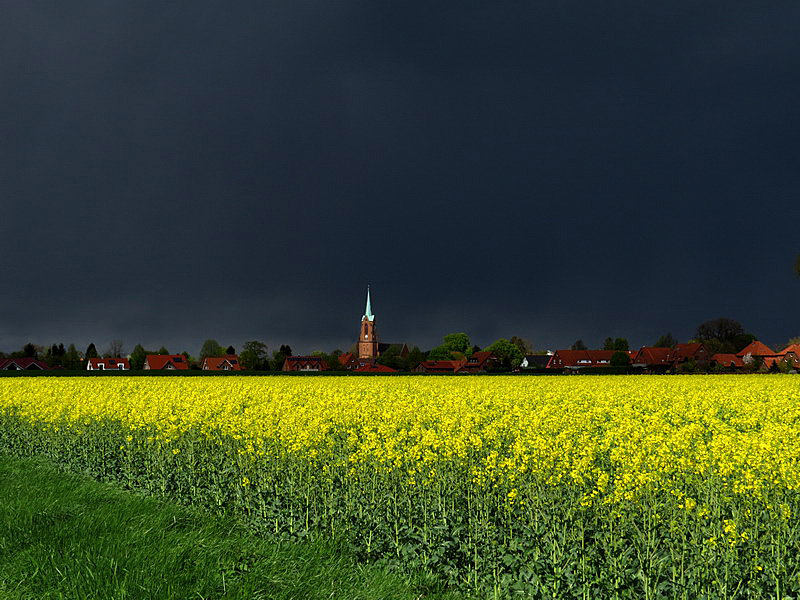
171 172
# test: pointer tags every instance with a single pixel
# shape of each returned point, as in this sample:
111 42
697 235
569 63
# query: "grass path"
65 536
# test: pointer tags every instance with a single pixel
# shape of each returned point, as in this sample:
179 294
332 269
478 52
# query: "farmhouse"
165 362
221 363
22 364
304 364
108 364
535 361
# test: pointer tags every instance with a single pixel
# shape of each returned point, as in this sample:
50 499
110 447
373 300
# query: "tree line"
721 335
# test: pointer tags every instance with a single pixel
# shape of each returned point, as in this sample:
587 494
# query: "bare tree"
115 349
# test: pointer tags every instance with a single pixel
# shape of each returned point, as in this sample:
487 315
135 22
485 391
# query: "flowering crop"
673 486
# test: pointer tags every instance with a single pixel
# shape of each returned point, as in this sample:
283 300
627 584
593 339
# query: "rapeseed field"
556 487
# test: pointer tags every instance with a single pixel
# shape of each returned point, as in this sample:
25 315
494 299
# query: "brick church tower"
368 338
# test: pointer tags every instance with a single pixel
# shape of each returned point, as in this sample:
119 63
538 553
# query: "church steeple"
368 337
368 313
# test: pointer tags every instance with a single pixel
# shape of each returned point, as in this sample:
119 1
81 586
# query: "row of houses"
648 359
155 362
652 359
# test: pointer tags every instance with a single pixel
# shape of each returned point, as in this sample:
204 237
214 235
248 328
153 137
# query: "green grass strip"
67 536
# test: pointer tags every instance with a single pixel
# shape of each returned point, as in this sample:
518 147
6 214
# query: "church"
369 346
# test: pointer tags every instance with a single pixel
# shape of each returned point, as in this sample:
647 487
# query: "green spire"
368 314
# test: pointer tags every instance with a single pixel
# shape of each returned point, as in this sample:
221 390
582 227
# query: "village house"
221 363
480 362
536 361
769 358
304 364
374 368
108 364
349 361
694 351
438 366
727 361
653 359
165 362
574 360
22 364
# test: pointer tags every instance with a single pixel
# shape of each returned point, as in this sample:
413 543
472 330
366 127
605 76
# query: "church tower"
368 337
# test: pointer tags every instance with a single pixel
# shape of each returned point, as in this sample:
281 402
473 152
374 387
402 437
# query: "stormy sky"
176 171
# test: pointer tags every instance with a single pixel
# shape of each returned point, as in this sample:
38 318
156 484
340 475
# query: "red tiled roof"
756 349
110 364
791 348
441 366
649 355
217 363
348 359
727 360
687 350
304 363
22 363
374 368
158 362
478 360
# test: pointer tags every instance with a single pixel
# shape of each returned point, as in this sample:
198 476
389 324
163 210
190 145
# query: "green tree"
415 356
579 345
620 359
621 344
440 353
138 356
54 355
71 360
162 350
254 356
666 341
457 342
392 359
509 354
210 348
723 335
91 352
608 344
279 356
525 346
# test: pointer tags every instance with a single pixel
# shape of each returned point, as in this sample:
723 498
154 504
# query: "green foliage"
254 356
66 536
509 354
71 360
579 345
415 356
723 335
137 358
617 344
440 353
797 265
457 342
620 359
525 346
392 359
666 341
211 348
91 351
162 350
